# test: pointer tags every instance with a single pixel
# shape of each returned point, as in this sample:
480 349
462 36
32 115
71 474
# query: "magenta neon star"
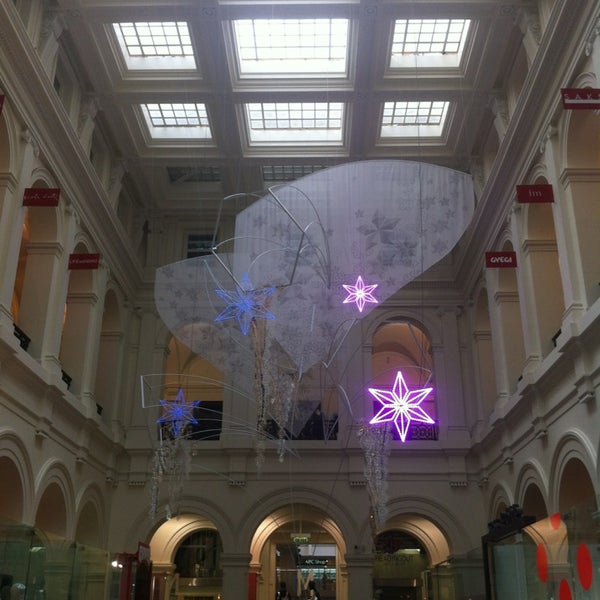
401 406
360 293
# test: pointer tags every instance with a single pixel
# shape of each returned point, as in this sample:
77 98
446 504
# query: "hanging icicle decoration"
376 445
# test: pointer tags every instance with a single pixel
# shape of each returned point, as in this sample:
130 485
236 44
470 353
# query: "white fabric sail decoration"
293 251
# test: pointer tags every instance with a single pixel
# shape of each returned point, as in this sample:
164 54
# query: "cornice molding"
33 98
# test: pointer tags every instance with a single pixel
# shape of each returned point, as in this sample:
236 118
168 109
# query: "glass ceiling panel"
183 120
413 119
284 47
155 45
295 122
428 42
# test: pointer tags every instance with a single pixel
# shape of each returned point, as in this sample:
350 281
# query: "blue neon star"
360 293
178 412
402 404
245 304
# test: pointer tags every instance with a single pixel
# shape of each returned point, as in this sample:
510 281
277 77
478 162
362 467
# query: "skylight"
155 45
413 119
284 47
180 121
286 123
428 42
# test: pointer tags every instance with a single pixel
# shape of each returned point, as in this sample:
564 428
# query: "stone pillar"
235 575
592 49
48 46
87 123
501 116
529 23
359 568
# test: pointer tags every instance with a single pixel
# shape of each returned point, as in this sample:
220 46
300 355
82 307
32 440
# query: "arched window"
402 346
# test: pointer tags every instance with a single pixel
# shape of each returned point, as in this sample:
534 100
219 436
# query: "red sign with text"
84 261
526 194
500 260
580 98
41 197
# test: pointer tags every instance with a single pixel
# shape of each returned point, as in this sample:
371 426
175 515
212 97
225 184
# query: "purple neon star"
360 293
401 404
178 412
245 304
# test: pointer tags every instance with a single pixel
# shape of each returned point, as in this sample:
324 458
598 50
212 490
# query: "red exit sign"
527 194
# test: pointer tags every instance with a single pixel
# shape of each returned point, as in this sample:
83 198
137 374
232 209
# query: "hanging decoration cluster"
272 307
376 444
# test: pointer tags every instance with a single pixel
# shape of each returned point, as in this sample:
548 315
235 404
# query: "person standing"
283 593
313 593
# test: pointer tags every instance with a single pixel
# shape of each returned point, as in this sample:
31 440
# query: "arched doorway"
400 567
298 544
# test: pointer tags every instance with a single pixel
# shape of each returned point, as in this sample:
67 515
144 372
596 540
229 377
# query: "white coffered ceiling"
261 104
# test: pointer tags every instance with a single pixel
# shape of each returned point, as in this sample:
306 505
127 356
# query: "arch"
10 134
38 261
16 476
292 514
580 139
507 306
78 318
574 444
282 504
576 487
433 524
532 490
500 499
543 279
404 345
169 535
164 532
581 131
90 526
426 531
274 528
54 499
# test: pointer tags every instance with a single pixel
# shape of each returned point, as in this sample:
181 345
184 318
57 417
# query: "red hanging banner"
528 194
41 197
500 260
84 261
580 98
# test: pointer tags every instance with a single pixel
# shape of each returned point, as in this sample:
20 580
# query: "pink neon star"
401 404
360 294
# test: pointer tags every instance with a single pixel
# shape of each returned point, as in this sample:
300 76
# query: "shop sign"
580 98
500 260
529 194
84 261
41 197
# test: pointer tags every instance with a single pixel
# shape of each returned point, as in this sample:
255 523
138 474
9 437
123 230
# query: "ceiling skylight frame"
298 59
428 43
177 121
295 123
152 54
414 119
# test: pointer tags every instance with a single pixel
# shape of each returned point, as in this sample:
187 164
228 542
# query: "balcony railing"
23 338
